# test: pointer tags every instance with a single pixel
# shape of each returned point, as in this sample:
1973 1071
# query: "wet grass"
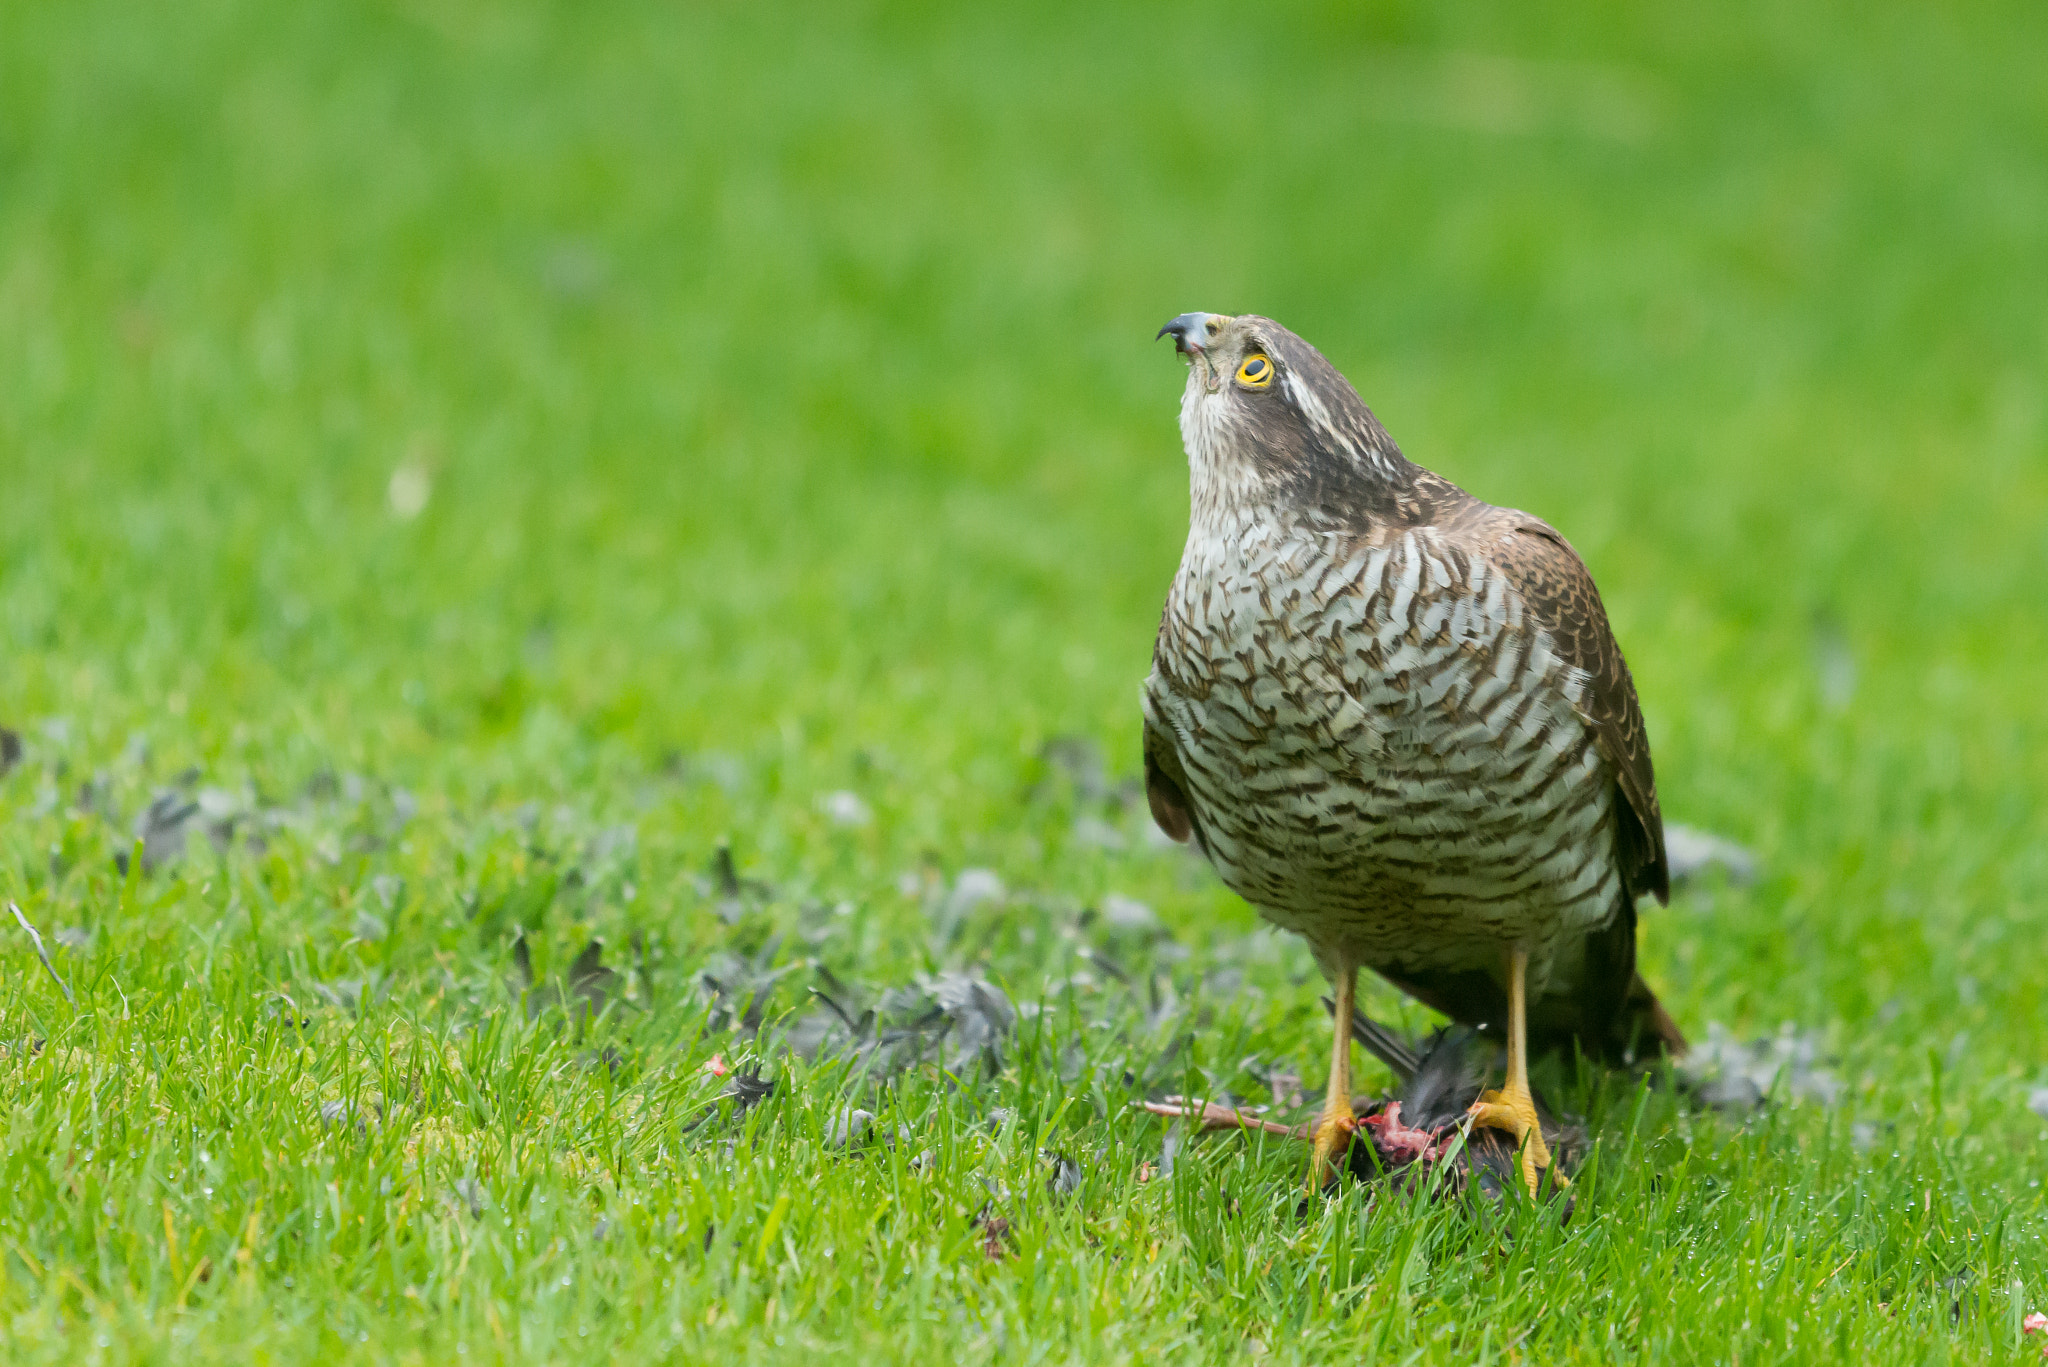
465 465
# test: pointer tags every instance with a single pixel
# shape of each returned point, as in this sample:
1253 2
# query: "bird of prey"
1395 720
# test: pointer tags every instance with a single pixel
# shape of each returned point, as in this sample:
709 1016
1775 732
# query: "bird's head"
1266 419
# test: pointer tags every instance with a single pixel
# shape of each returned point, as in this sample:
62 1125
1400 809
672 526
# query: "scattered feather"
960 1017
738 989
1727 1072
1093 832
732 896
1063 1176
1127 916
1169 1149
971 891
1103 809
849 1128
335 1115
222 813
162 828
471 1195
1079 760
350 994
981 1014
588 989
595 985
844 808
1690 854
727 879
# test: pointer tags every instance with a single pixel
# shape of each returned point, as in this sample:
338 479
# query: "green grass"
782 384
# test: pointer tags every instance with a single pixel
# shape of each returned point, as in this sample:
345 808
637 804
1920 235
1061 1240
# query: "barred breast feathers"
1390 712
1510 554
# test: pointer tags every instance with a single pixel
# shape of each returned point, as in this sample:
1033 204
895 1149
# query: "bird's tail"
1616 1017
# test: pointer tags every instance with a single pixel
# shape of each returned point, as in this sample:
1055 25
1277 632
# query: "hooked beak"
1191 332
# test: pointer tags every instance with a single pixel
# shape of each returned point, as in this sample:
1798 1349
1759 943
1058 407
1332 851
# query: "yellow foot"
1333 1135
1514 1110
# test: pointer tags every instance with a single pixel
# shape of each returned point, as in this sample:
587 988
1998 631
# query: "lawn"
537 538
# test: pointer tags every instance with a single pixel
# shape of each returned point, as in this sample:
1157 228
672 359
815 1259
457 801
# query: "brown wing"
1558 589
1613 1013
1166 788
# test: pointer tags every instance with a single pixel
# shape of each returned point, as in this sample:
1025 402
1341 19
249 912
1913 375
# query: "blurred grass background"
519 402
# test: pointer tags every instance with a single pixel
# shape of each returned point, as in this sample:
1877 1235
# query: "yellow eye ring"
1255 371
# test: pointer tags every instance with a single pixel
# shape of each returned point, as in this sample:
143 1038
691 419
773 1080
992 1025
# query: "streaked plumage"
1394 717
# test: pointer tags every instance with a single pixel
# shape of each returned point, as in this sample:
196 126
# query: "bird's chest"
1365 728
1281 655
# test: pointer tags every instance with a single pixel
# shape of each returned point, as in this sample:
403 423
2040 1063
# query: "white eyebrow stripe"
1353 435
1318 413
1308 401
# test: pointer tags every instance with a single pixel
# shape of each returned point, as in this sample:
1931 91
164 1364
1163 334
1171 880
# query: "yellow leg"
1333 1131
1513 1108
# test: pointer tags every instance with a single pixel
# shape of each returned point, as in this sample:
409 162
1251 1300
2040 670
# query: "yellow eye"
1256 372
